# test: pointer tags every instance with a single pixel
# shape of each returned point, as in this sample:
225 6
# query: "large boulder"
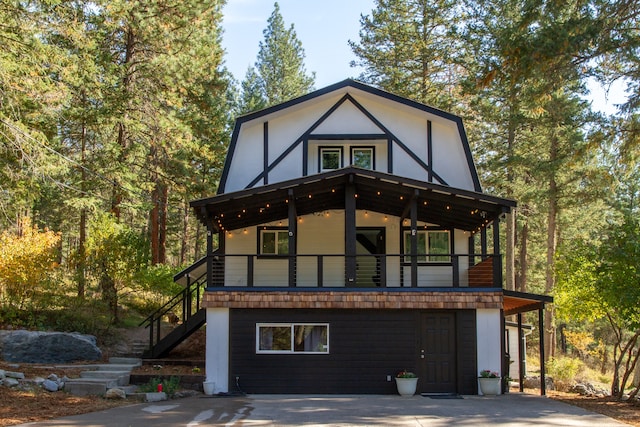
48 347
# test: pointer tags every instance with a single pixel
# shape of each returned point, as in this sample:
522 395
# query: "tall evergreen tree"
409 48
279 74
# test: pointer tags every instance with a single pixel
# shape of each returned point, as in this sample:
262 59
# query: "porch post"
543 383
497 257
504 365
210 252
483 243
521 353
293 231
414 240
350 232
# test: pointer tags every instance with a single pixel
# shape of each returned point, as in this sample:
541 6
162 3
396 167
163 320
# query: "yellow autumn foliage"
27 263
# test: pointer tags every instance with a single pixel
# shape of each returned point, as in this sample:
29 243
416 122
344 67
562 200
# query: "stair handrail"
185 296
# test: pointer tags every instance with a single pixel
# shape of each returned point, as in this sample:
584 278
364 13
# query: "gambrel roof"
419 142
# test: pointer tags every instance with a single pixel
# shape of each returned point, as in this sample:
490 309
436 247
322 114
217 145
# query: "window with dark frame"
433 245
330 158
363 157
274 241
286 338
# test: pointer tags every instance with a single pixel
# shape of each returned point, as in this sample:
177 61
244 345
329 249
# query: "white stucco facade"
217 349
489 340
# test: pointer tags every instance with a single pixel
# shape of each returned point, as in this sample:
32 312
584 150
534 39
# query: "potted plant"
489 382
406 382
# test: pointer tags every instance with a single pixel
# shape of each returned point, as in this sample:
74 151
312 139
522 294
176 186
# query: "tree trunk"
522 258
551 252
185 233
109 294
510 251
80 268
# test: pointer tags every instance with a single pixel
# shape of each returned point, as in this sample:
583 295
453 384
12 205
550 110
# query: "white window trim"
372 150
292 326
338 149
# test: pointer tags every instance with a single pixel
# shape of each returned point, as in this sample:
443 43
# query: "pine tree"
280 64
409 48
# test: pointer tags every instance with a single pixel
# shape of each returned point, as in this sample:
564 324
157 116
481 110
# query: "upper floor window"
363 157
433 245
274 242
330 158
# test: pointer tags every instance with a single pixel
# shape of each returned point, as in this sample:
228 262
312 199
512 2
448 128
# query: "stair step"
106 382
125 361
120 377
114 367
84 388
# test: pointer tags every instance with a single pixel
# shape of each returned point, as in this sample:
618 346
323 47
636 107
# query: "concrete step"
78 388
121 377
113 367
125 361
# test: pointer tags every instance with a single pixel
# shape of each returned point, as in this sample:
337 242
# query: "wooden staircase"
183 311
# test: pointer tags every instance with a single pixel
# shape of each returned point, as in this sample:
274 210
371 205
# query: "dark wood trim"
293 233
265 152
543 378
305 157
210 257
347 136
521 353
389 155
429 152
497 260
350 233
414 240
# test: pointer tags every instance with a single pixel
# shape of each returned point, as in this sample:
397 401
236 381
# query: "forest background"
115 114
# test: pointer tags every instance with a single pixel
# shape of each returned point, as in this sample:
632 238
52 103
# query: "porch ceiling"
522 302
375 192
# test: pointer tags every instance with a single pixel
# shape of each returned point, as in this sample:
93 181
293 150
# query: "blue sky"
324 27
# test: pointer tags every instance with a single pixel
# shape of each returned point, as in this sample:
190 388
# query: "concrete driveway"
513 409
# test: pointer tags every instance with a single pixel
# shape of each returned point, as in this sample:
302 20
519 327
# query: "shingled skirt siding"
366 346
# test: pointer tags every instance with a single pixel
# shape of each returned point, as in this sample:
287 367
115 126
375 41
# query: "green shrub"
564 370
169 386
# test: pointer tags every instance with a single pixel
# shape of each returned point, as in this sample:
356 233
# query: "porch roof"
522 302
375 191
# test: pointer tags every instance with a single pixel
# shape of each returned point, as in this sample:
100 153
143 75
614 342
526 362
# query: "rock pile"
588 389
17 379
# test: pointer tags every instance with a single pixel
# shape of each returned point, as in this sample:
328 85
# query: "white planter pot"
406 386
490 386
209 387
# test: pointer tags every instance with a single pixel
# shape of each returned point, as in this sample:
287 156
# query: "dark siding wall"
467 350
365 346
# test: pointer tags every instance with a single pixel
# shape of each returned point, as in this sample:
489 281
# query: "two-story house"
354 241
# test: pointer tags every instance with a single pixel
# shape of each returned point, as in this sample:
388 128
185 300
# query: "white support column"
217 349
489 332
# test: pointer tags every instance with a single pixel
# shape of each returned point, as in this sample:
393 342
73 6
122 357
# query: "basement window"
287 338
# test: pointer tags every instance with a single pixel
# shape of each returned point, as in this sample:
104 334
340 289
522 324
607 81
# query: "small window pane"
330 159
283 242
422 245
311 338
363 158
275 338
268 242
438 244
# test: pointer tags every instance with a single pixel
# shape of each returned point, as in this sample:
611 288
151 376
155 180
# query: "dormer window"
362 157
330 158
